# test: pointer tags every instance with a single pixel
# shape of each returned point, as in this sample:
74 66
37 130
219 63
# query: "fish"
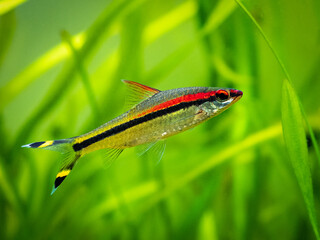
154 116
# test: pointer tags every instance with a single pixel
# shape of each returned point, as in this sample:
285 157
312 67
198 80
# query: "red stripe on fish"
172 102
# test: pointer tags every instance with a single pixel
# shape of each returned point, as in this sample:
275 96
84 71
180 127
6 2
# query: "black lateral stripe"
60 141
137 121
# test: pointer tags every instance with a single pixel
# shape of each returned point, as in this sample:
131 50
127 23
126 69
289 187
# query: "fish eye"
222 95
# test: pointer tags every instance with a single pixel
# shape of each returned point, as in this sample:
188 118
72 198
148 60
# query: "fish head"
222 99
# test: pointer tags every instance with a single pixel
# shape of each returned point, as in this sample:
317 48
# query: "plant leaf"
78 63
295 139
169 21
7 28
7 5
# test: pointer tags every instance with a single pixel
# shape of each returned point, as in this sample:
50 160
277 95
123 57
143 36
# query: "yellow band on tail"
46 144
63 173
59 178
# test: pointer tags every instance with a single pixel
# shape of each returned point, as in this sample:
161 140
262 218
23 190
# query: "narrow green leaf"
219 15
82 42
7 5
265 38
168 64
292 120
7 28
83 73
169 21
66 79
131 195
8 188
51 58
295 139
285 71
215 160
207 226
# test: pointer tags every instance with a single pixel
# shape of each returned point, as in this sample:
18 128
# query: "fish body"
158 115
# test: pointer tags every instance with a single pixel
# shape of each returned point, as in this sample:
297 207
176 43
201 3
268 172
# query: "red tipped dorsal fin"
138 92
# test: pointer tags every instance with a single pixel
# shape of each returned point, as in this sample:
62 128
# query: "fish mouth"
236 94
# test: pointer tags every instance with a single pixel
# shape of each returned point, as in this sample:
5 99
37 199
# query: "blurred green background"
61 63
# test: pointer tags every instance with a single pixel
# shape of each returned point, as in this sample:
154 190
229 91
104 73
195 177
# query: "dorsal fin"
138 92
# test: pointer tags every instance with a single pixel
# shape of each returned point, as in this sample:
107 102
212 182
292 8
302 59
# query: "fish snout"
236 94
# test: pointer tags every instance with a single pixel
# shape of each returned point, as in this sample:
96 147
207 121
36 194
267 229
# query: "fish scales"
149 130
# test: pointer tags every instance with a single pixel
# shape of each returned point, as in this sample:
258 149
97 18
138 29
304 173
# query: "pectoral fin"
154 150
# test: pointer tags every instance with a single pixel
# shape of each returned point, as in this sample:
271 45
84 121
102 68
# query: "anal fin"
112 155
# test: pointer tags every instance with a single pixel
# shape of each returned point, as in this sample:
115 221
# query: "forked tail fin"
63 146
